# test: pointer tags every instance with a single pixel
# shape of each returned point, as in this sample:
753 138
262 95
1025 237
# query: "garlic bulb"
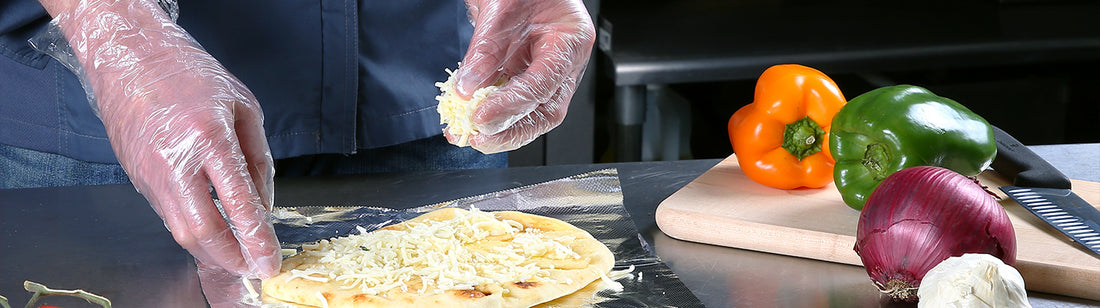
972 280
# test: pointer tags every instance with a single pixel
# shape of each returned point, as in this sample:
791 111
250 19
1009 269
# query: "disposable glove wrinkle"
543 48
181 126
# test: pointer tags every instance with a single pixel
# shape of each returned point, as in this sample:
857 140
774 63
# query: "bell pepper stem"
874 159
803 138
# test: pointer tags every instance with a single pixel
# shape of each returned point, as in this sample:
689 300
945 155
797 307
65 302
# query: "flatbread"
566 260
585 297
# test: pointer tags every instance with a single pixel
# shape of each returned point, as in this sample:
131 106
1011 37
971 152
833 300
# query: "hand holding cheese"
457 112
542 47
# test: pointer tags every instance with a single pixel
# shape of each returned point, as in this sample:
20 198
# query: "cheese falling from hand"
458 113
438 253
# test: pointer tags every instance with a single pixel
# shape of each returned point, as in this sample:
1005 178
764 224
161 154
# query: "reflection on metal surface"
743 278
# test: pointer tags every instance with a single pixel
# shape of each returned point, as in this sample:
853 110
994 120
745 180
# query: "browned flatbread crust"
581 298
565 276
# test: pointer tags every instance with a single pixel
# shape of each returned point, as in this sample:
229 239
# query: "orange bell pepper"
780 139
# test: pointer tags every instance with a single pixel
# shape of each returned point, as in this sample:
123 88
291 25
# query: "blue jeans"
22 168
433 153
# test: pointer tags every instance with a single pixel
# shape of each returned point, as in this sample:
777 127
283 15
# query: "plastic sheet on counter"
592 201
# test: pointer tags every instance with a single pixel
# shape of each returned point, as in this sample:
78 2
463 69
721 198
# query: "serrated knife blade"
1063 210
1046 192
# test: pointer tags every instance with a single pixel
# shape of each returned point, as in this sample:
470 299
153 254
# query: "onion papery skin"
920 216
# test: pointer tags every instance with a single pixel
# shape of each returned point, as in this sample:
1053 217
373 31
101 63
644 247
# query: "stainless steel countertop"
107 240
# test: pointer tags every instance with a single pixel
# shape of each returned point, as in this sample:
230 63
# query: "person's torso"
332 76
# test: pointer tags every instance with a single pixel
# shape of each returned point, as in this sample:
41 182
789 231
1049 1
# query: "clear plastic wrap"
591 201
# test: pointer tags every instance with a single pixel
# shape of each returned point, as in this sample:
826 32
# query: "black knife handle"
1024 167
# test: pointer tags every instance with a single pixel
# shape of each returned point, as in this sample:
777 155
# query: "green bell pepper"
896 127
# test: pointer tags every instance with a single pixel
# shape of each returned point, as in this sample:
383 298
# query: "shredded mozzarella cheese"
620 274
324 300
442 255
308 275
610 284
287 252
458 113
253 297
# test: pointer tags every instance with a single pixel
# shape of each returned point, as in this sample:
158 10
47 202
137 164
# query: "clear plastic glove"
223 289
543 47
180 125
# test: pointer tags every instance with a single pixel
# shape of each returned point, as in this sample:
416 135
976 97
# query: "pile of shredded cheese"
438 253
458 113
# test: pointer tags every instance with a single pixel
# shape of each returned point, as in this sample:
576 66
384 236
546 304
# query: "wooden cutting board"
724 207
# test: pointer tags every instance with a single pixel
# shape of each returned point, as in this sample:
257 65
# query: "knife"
1044 191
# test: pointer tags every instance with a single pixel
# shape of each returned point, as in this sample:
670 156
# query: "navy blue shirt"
331 76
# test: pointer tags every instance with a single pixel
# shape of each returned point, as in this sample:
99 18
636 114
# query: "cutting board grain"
724 207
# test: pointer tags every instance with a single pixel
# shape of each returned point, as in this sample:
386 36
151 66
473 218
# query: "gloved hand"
543 47
179 124
225 290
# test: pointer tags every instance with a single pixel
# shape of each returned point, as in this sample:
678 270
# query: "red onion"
920 216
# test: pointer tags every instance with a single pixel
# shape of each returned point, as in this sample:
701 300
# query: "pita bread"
520 260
